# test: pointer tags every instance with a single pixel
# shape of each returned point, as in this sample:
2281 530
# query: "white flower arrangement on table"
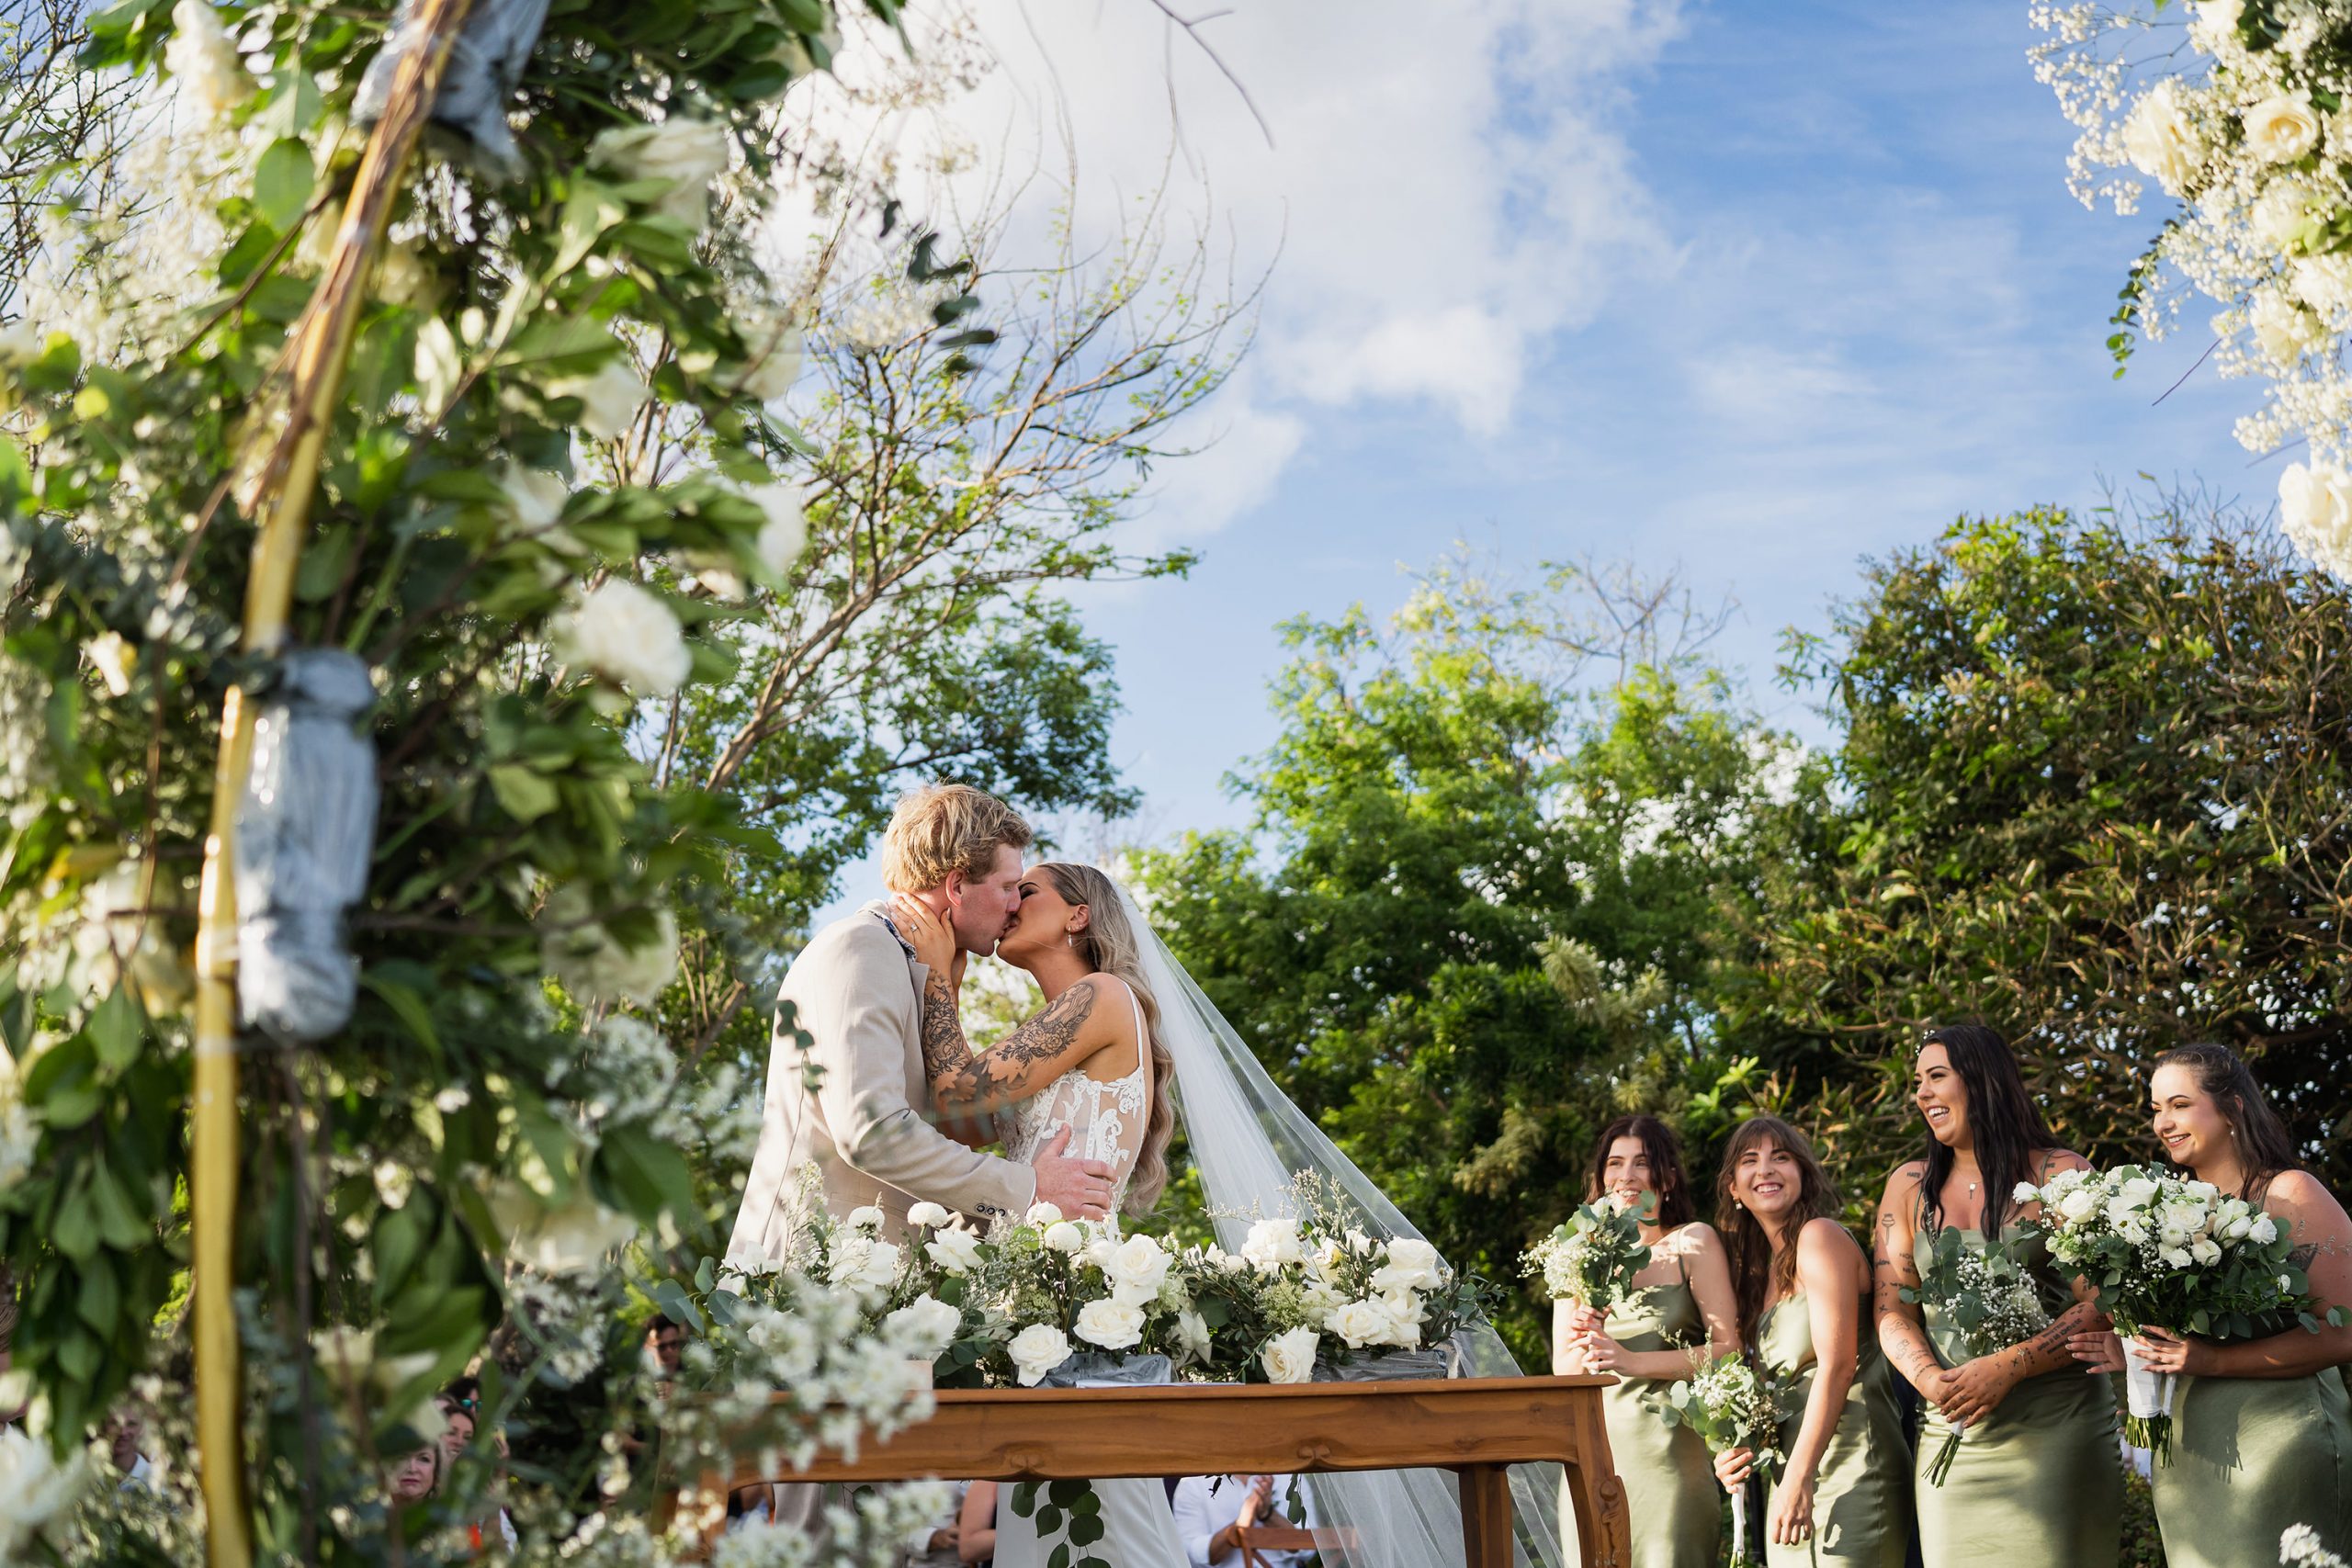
2254 138
1732 1404
1592 1259
1990 1296
2166 1251
1336 1294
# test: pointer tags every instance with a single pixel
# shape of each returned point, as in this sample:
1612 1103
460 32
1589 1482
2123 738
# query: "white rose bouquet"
1731 1404
1990 1296
1056 1288
2164 1251
1593 1258
939 1288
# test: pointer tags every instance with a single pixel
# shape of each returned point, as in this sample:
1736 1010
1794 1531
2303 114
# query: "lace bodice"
1105 1119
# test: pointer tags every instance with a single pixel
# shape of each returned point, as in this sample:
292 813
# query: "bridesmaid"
1681 1315
2262 1434
1804 1288
2037 1481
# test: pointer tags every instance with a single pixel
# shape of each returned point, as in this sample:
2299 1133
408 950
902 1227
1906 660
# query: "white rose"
1137 1268
2237 1228
2278 214
571 1239
786 533
1290 1357
627 635
1406 1312
687 152
2283 330
2160 139
2315 514
2172 1236
2079 1204
1192 1337
2133 1231
862 1263
2175 1257
608 399
1063 1236
115 661
1113 1325
203 59
924 1327
928 1216
2203 1191
2026 1192
1411 1264
2286 1281
955 1249
2214 27
2263 1230
2204 1251
1041 1215
1037 1351
1361 1323
2281 129
1271 1244
534 498
864 1217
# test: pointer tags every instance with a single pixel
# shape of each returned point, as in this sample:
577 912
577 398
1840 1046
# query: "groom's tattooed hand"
1004 1073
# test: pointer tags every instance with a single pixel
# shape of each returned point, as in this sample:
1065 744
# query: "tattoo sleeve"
1017 1067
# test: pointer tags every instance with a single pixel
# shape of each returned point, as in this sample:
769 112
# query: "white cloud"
1441 195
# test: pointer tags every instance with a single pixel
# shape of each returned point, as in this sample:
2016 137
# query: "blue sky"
1863 304
1756 291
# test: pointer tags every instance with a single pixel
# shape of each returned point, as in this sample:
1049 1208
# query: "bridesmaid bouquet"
1732 1404
2164 1251
1989 1296
1592 1259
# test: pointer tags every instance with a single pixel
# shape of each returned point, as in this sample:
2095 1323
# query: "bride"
1124 1039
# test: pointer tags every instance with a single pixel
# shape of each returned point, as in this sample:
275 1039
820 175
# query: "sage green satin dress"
1861 1492
1672 1495
2251 1456
2037 1483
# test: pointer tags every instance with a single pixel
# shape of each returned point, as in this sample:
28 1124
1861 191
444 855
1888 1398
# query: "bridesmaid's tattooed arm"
1024 1062
1902 1333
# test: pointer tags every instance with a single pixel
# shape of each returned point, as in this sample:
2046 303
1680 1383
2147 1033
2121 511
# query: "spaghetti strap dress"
2037 1483
1673 1500
1861 1492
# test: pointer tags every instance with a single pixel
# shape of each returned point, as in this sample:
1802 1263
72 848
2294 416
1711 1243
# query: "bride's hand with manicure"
929 934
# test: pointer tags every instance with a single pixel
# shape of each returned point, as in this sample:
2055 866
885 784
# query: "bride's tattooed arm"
1024 1062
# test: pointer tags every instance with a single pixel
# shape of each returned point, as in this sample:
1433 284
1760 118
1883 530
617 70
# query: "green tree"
2096 780
1473 914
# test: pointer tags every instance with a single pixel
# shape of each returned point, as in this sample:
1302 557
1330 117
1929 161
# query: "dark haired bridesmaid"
1843 1493
2262 1430
1680 1316
2037 1478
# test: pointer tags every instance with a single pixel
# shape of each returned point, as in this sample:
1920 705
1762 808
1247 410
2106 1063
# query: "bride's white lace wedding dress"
1106 1121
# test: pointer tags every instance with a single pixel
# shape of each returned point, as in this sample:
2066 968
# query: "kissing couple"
872 1081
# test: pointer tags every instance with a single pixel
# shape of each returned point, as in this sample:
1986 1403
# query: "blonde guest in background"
2262 1432
1681 1314
1843 1493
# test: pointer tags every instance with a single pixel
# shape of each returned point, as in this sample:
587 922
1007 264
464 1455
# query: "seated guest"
665 1345
460 1406
416 1477
933 1545
123 1430
1212 1511
976 1526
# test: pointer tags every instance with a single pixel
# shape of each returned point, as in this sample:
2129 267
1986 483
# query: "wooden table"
1474 1427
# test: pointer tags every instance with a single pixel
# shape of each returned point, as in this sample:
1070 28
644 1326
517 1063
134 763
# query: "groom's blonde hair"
946 828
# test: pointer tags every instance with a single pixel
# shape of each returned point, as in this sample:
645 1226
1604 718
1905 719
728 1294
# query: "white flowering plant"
1592 1259
1731 1403
2300 1546
1989 1294
2245 123
512 1130
2165 1250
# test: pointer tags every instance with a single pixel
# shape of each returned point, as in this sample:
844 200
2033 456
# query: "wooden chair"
1337 1546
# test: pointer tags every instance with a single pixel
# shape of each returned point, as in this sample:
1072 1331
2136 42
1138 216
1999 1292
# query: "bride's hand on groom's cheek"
930 936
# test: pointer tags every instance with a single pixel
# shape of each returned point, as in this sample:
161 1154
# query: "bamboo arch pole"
278 474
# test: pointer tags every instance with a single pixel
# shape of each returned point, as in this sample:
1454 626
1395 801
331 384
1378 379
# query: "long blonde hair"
1110 946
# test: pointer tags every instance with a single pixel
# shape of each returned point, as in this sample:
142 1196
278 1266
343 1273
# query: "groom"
856 992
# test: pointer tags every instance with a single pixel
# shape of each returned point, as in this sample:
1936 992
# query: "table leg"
1485 1515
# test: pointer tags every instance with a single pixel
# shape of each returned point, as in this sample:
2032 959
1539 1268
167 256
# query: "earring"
1069 940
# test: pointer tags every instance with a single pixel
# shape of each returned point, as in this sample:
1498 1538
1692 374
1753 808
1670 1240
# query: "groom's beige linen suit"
856 992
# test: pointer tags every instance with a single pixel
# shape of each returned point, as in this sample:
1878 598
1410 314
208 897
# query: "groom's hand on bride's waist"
1080 1188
